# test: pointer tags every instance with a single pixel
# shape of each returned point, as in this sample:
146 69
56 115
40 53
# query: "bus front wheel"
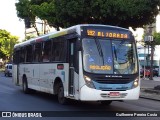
61 98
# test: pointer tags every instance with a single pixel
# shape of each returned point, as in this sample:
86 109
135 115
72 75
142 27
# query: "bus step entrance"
71 82
71 95
71 90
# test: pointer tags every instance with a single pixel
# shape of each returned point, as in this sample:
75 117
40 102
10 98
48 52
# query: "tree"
7 42
124 13
46 11
156 37
24 12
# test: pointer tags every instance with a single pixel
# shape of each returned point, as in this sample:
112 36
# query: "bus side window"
22 55
29 53
16 56
46 51
58 50
37 52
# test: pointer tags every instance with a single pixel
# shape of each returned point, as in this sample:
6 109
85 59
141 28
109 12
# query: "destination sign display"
107 33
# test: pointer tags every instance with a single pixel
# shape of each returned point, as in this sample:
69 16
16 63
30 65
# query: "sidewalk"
154 79
149 89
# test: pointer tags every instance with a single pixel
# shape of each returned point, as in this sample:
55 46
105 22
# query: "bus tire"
26 90
106 102
8 74
61 99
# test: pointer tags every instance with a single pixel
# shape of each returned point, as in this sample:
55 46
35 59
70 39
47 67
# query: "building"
144 52
144 57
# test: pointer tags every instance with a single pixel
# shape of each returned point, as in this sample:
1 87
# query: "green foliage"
23 9
125 13
65 13
45 11
7 42
156 37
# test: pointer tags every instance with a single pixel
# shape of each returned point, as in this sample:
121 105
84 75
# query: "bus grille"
113 80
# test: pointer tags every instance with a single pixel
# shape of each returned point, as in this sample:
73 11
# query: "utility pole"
144 69
152 53
148 55
149 41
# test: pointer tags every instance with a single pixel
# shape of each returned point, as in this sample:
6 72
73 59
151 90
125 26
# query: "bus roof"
66 31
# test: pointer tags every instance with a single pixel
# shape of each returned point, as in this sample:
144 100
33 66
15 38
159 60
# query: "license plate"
114 94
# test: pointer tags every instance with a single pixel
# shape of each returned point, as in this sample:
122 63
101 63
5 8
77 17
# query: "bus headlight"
136 82
89 82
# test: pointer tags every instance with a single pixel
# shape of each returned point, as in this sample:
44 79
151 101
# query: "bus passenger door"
73 76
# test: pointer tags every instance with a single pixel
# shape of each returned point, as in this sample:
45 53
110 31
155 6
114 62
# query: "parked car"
155 72
8 70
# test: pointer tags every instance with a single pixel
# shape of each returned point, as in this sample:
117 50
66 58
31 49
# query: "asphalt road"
13 99
150 83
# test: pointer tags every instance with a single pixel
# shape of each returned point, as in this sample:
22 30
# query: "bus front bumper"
89 94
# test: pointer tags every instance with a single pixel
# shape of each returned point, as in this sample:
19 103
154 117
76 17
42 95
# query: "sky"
158 23
9 20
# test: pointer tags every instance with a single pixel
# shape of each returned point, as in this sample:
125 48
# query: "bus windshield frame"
109 56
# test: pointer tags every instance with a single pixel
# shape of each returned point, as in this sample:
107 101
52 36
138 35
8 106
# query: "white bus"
85 62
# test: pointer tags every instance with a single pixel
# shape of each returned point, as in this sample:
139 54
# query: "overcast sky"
9 20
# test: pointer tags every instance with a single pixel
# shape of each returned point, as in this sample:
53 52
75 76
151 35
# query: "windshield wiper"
114 52
99 49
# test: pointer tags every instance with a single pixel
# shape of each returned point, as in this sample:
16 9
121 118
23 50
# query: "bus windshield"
105 56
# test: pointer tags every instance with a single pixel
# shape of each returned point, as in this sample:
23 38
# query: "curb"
152 91
150 94
150 98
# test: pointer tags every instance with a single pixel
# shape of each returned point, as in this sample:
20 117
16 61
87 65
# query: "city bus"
87 62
